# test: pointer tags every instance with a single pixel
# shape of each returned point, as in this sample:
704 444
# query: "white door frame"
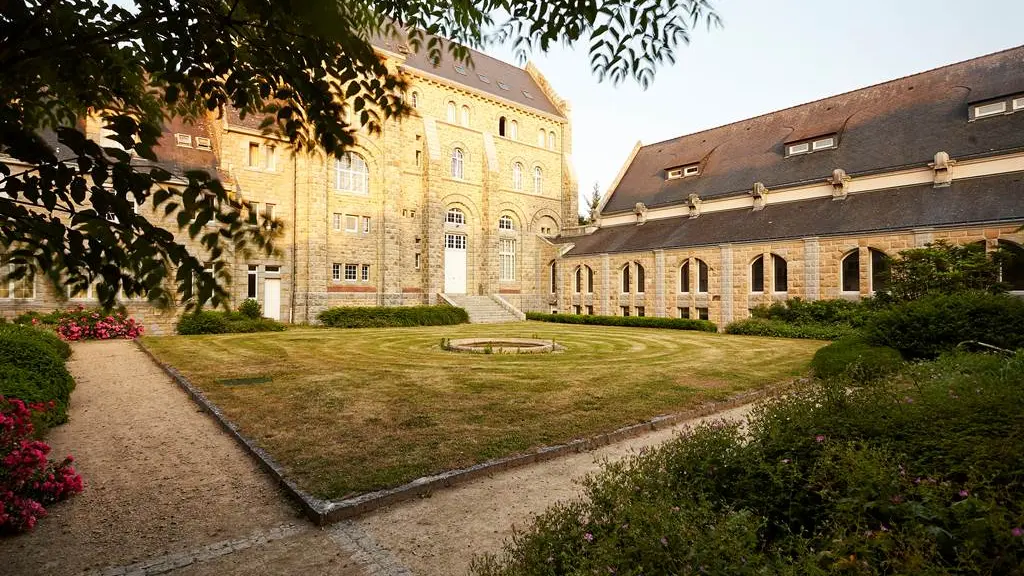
456 248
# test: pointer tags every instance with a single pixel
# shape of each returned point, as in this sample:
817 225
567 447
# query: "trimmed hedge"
32 369
853 357
937 323
798 311
216 322
392 316
630 321
780 329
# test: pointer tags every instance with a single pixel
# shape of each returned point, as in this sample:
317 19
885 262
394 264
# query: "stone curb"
323 512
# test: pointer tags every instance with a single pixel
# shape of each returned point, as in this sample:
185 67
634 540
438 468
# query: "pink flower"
590 537
819 438
964 493
1018 532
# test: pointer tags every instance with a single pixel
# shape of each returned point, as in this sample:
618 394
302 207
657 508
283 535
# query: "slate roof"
901 123
989 199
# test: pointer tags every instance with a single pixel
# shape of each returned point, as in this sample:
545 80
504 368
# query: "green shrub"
945 268
219 322
780 329
797 311
48 319
32 369
937 323
392 316
630 321
45 337
852 357
250 308
919 477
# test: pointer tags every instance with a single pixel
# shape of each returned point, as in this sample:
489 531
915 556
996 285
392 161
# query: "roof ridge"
846 93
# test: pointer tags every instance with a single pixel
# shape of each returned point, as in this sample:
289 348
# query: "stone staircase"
485 309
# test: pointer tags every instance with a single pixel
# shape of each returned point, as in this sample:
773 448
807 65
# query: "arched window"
850 272
351 174
415 99
590 279
640 280
1011 267
702 277
517 176
540 138
880 272
757 274
578 285
538 181
455 216
465 115
553 277
625 278
451 112
684 277
551 140
513 130
501 126
505 223
457 164
781 267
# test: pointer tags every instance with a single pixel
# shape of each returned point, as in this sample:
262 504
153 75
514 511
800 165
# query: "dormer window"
1004 105
183 140
683 171
202 143
813 145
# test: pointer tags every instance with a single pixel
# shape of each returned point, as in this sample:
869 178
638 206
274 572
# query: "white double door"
455 264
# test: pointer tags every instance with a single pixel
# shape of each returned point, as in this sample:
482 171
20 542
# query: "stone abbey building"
474 194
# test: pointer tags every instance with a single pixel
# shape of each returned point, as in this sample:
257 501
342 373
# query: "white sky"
769 55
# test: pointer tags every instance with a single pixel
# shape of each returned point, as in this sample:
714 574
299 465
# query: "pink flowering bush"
28 479
84 324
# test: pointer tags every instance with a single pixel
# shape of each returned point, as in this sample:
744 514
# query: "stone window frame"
336 272
506 223
517 176
684 277
757 262
352 174
451 112
455 216
776 259
625 279
354 269
538 180
507 259
703 276
458 164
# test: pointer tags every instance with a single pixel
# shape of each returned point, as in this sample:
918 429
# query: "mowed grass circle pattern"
351 411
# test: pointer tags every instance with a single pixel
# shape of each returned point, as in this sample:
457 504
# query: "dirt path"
439 535
164 486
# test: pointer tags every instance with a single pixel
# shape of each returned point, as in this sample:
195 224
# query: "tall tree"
593 203
303 66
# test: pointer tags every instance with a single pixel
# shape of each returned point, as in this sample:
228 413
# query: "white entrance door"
272 298
454 264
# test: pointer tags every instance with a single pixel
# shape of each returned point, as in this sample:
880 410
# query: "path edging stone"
323 512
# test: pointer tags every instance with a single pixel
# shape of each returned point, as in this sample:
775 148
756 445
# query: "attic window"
460 69
683 171
1018 103
202 143
813 145
991 109
484 79
183 140
502 85
527 94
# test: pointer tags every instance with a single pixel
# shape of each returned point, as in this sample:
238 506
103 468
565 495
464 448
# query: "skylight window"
502 85
813 145
183 140
460 69
991 109
484 79
1018 103
527 94
683 171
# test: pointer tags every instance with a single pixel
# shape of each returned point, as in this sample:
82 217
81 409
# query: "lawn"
351 411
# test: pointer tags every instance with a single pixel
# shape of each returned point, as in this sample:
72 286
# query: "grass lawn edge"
322 512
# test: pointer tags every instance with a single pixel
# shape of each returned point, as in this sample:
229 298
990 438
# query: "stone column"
659 284
812 269
726 272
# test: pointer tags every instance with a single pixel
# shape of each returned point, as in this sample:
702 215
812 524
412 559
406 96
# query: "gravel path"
167 492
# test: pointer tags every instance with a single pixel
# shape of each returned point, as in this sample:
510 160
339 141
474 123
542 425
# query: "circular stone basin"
503 346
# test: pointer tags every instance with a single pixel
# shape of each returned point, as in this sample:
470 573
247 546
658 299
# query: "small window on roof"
802 148
991 109
683 171
691 170
823 144
1018 103
502 85
527 94
484 79
184 140
461 69
202 143
811 145
675 173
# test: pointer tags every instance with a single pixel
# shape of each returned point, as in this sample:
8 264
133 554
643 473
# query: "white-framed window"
674 173
451 112
538 180
507 259
252 284
823 144
21 289
336 272
540 138
505 223
336 222
517 176
351 223
203 143
802 148
551 140
416 260
691 170
455 216
365 273
271 212
351 174
683 171
455 241
465 116
982 110
513 130
813 145
270 157
366 225
183 140
1018 103
351 270
458 164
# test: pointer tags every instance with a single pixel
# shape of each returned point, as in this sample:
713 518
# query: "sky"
769 54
